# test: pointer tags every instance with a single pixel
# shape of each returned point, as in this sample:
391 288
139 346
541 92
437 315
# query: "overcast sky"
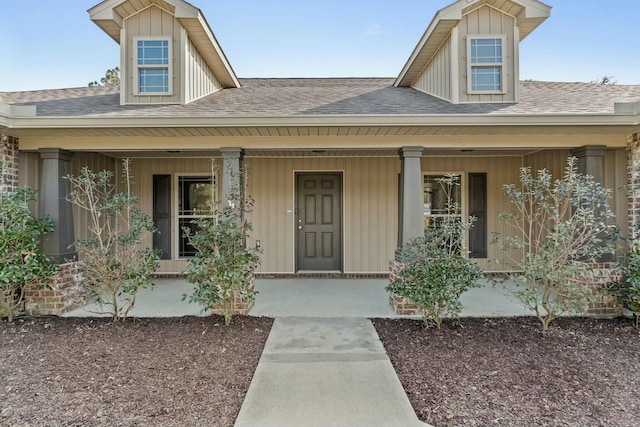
46 44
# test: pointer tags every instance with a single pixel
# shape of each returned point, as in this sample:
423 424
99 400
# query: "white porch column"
54 190
231 171
411 198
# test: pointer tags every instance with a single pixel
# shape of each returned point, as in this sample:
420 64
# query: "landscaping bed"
145 372
508 372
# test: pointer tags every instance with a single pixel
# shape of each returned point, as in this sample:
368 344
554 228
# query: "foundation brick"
66 293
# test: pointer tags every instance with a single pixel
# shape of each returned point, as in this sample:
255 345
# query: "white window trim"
502 65
137 67
464 202
177 232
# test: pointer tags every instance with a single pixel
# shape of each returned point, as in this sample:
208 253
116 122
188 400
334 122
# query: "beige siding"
200 78
488 21
153 22
370 204
96 163
500 171
615 173
435 79
143 171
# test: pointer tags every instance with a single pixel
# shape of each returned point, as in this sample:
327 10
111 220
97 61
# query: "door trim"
342 214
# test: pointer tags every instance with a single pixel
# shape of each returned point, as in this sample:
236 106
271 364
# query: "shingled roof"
326 96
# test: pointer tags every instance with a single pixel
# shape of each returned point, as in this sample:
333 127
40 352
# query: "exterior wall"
500 171
633 171
143 171
436 77
153 22
615 177
488 21
200 80
370 209
9 159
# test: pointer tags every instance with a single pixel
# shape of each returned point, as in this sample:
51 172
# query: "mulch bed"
508 372
190 371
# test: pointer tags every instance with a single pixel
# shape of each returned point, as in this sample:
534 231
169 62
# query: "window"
435 200
196 199
151 62
486 64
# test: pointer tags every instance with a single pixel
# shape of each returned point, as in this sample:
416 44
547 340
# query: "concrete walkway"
325 372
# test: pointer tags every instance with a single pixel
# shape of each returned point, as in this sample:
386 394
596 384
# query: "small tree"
561 227
111 78
435 268
115 265
223 263
21 261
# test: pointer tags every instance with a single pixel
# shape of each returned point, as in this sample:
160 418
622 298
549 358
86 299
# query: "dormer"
168 53
470 51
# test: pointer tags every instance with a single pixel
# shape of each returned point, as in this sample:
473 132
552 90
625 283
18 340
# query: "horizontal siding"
436 77
369 209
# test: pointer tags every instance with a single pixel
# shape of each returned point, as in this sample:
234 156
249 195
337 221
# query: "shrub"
115 265
223 263
627 291
435 269
560 227
22 262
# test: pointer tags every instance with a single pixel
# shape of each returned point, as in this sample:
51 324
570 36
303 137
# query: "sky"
48 44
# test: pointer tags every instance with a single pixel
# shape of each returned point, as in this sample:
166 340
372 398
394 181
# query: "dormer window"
486 67
151 62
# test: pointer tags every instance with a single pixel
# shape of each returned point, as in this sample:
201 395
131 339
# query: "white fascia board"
332 120
627 107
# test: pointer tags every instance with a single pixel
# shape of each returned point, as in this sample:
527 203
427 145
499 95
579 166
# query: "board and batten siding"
370 209
500 171
200 80
488 21
615 177
153 21
435 79
143 171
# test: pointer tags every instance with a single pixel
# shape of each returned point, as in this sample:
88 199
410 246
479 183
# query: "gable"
111 17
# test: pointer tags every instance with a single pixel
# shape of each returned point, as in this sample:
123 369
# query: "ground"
145 372
507 372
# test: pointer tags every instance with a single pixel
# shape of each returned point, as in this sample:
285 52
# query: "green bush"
627 291
435 269
22 262
115 265
560 228
223 263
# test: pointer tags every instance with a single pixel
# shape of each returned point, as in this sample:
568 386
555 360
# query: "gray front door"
318 222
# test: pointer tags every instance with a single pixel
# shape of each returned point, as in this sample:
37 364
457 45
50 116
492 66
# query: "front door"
319 222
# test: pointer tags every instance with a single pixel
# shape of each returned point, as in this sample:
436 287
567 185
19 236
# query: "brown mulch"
507 372
190 371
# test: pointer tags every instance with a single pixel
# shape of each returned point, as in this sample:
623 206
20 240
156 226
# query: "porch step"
325 372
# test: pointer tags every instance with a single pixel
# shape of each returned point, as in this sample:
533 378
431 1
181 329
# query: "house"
343 171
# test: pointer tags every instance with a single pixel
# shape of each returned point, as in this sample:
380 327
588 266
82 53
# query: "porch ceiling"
254 153
321 131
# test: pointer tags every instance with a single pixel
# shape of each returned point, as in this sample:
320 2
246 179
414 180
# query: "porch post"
9 157
591 161
231 171
633 183
411 198
54 190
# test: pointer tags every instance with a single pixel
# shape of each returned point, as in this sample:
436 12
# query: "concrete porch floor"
313 298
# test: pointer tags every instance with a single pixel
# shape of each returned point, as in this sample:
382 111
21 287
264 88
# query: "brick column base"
240 305
400 305
602 302
66 293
